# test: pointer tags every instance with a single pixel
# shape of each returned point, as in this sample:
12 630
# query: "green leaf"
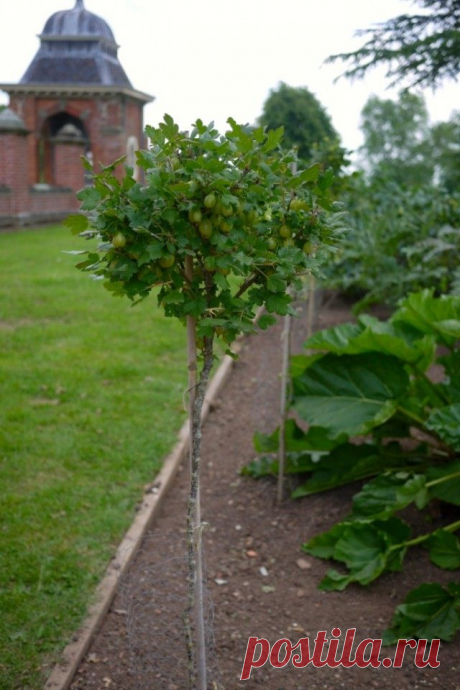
278 303
444 482
323 545
399 339
170 216
298 363
260 467
363 549
446 423
311 174
348 463
371 335
77 223
90 198
275 283
428 612
350 394
444 549
273 139
151 253
173 297
221 281
337 339
265 321
112 166
431 315
295 463
296 440
366 549
388 493
195 307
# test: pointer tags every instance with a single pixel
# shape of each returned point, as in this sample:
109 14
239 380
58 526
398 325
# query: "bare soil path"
140 645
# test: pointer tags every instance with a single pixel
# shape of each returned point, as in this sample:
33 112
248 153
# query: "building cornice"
75 91
87 38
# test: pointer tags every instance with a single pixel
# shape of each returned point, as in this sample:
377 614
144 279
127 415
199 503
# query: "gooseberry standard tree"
214 233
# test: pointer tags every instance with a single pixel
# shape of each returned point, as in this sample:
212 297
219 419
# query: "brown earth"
140 645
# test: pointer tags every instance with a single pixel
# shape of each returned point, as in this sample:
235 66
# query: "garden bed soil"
259 582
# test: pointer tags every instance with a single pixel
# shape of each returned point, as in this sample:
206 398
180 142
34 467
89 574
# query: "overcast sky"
215 59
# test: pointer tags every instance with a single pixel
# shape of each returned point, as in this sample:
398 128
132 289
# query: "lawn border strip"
64 671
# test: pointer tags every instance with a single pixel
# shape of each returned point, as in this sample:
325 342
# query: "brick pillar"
14 172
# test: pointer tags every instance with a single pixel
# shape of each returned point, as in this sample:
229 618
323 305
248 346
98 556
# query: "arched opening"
53 127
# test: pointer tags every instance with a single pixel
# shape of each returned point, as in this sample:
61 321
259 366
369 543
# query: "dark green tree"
396 139
417 49
307 125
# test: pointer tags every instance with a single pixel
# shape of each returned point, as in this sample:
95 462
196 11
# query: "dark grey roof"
77 47
77 22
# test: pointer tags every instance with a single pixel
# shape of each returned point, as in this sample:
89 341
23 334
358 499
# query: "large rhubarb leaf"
387 493
348 463
366 548
429 612
439 316
444 482
297 440
445 422
444 549
350 394
371 335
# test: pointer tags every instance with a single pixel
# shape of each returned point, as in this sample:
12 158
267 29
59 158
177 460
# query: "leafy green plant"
221 226
370 380
401 240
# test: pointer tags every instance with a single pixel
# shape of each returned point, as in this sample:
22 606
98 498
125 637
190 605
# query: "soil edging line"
65 670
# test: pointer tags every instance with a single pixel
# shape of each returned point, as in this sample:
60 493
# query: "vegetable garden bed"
260 582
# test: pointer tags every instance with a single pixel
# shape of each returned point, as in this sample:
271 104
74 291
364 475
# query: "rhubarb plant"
375 412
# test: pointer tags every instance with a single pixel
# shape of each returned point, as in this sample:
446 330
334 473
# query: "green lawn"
91 401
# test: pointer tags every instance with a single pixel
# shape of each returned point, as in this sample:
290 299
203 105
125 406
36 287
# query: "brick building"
74 99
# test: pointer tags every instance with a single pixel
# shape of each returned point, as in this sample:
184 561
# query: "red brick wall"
49 202
108 121
5 203
13 169
68 168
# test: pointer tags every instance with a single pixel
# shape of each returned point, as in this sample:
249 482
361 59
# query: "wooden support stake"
286 350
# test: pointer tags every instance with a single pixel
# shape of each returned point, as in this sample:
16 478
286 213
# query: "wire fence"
154 596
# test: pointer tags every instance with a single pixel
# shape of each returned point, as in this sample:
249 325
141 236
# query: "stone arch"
56 124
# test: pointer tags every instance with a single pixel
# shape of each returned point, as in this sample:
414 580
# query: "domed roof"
77 22
77 47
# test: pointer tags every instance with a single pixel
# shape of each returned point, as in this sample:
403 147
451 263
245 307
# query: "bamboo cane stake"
311 304
286 350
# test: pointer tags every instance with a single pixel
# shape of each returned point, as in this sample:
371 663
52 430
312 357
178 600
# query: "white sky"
215 59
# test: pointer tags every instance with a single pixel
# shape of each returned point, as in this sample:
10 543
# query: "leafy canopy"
396 139
418 49
306 123
232 204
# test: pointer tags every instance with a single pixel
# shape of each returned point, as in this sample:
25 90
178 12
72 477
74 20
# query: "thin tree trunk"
195 635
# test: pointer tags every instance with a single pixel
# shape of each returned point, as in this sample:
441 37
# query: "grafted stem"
195 635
